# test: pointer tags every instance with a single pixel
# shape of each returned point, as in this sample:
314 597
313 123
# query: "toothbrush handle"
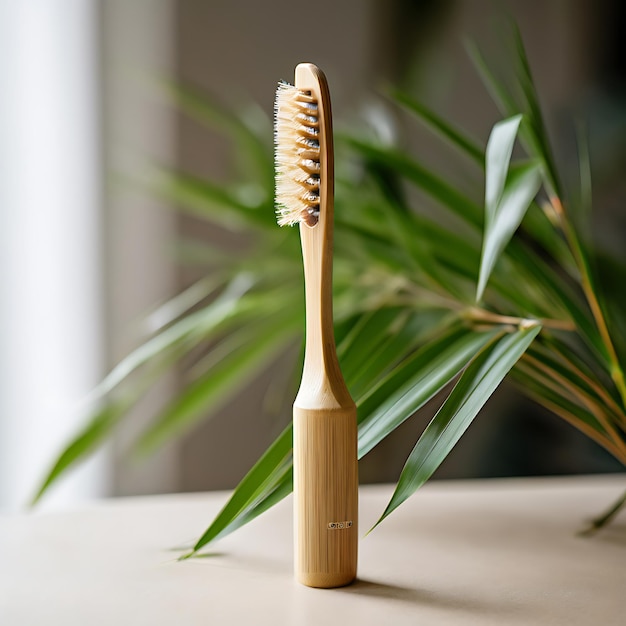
325 496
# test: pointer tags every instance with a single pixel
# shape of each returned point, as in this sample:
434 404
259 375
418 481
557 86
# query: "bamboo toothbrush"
324 414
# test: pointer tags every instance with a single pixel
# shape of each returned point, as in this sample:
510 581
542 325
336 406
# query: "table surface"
458 552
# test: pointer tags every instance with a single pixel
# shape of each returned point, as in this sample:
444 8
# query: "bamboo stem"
615 369
477 314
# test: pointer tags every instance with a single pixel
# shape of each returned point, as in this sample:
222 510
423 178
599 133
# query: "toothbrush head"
297 156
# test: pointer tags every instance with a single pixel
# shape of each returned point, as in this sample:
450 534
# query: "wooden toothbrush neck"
322 381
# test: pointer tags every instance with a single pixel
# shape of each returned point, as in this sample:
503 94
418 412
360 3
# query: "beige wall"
138 126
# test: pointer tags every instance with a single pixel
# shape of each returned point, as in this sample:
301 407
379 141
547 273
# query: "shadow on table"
421 597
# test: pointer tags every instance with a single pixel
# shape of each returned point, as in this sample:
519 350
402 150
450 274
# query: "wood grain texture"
325 426
325 492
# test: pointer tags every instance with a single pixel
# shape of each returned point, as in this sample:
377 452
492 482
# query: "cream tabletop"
467 552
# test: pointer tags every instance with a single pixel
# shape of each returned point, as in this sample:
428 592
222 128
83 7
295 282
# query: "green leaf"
584 172
185 332
477 383
158 354
407 332
553 397
406 243
396 224
557 292
108 412
182 303
538 225
459 253
368 247
367 333
93 434
503 219
443 128
270 478
562 391
421 177
216 202
497 160
206 394
280 487
565 374
415 381
496 89
534 134
420 252
523 99
389 183
255 488
560 347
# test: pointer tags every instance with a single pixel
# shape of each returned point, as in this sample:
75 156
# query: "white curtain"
50 276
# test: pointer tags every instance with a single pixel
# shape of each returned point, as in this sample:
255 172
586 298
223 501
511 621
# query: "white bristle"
297 156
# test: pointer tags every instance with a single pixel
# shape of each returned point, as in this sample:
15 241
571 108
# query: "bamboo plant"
484 289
